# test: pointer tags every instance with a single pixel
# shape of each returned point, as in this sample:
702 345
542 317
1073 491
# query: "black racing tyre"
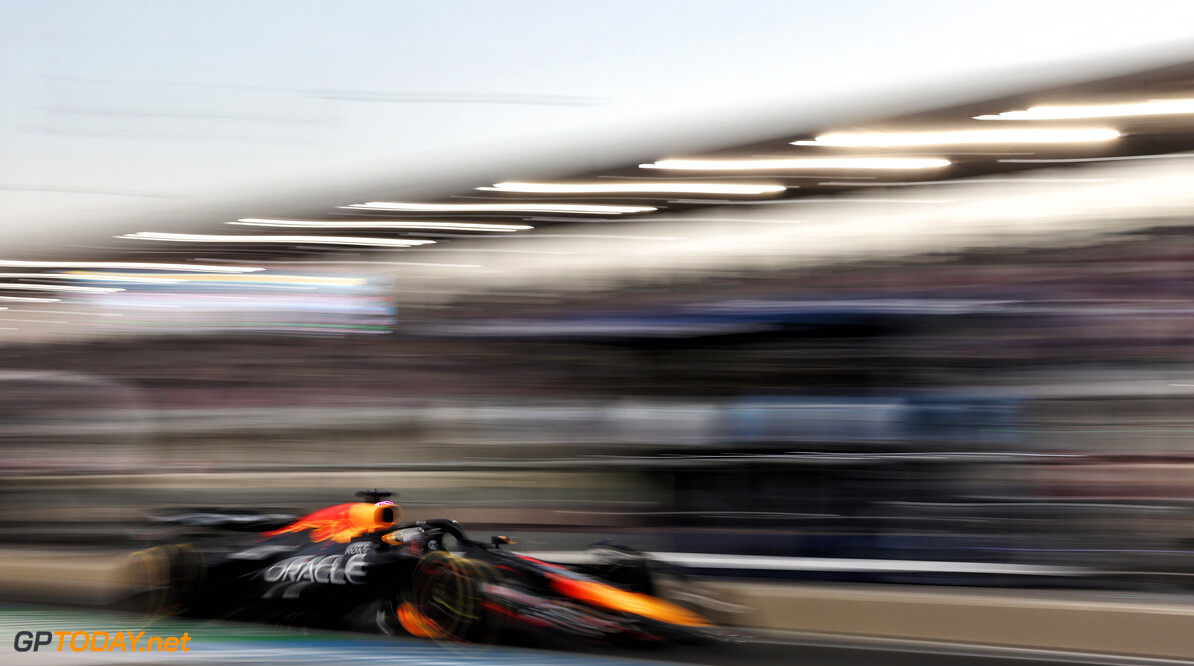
447 590
163 580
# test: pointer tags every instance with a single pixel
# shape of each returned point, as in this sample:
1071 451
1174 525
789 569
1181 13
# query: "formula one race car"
352 566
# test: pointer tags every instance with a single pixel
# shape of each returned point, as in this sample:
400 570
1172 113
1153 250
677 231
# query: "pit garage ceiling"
1050 154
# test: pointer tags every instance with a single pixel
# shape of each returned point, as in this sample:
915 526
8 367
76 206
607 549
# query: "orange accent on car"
416 623
607 596
392 538
342 522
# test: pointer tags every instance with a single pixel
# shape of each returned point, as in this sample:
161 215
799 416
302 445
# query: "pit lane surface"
235 643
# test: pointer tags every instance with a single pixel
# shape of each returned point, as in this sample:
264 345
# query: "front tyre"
448 595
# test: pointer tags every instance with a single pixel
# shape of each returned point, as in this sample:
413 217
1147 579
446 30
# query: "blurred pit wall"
1041 475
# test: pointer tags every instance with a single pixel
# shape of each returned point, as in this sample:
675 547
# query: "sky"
110 106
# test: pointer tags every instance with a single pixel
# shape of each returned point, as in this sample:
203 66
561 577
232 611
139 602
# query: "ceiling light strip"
311 240
1152 107
130 265
959 137
581 209
387 224
92 276
634 188
897 163
30 299
57 287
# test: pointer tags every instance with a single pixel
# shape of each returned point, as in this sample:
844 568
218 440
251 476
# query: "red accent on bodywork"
541 562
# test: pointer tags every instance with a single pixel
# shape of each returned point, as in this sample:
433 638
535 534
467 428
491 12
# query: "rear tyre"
163 580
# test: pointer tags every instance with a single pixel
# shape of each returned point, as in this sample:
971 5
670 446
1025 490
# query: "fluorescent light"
30 299
335 224
857 200
1117 158
66 312
311 240
354 262
1152 107
608 188
963 181
93 276
304 280
603 236
199 268
59 287
957 137
584 209
802 163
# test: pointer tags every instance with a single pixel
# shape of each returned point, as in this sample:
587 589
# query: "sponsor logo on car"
333 569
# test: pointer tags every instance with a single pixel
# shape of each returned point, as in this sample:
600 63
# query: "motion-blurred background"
899 293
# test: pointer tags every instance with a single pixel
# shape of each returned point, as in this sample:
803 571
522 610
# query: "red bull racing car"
355 566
